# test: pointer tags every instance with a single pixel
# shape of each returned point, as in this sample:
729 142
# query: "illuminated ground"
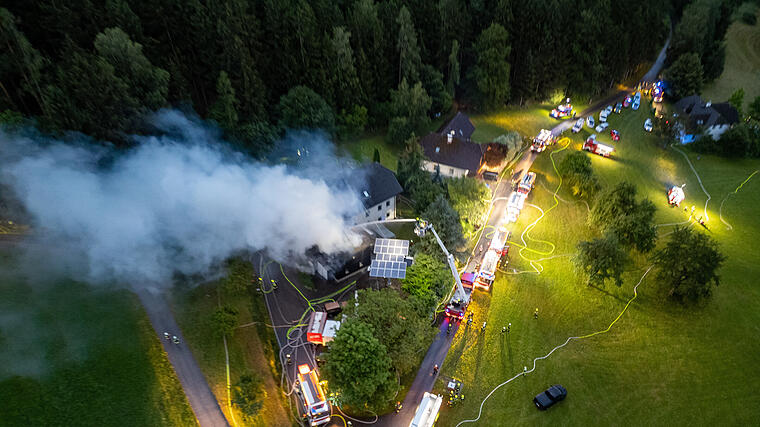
661 363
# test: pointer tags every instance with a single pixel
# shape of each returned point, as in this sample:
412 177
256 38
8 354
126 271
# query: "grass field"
251 349
742 69
661 363
363 150
74 355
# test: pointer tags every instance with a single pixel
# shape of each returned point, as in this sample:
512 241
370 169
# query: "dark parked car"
552 395
491 176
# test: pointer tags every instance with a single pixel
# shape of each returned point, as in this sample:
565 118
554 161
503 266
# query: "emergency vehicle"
321 330
658 91
427 412
543 139
487 271
515 205
526 183
597 147
316 408
564 110
676 195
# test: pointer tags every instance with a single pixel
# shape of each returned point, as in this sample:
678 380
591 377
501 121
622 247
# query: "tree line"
96 66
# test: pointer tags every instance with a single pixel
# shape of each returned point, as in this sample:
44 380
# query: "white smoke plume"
180 201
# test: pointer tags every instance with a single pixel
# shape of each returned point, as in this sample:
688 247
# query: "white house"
378 188
450 151
713 119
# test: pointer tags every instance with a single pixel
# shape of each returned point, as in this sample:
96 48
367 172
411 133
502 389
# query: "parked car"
602 127
608 109
636 104
618 108
577 126
627 101
491 176
590 122
603 116
552 395
648 125
615 135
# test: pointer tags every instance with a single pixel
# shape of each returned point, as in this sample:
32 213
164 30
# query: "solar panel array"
389 258
392 246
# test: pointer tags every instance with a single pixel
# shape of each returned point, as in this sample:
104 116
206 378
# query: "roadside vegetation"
230 308
73 353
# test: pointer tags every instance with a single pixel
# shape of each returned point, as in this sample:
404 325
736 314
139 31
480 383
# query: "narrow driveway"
202 400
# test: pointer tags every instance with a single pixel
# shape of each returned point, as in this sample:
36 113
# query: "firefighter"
503 329
483 328
289 360
525 370
166 335
435 369
535 313
509 327
469 321
274 284
448 329
398 407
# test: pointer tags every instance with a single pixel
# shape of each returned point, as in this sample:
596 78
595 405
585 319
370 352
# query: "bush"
578 175
747 13
248 395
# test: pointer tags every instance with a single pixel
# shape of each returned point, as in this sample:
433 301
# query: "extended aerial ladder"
458 304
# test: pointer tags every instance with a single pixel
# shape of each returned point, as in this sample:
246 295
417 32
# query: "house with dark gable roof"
450 151
460 125
377 187
714 119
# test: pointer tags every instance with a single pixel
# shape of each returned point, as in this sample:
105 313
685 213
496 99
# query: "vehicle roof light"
303 369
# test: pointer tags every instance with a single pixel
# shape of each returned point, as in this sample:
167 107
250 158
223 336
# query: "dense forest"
258 66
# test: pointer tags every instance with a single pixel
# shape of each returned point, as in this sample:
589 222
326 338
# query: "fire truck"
315 406
597 147
543 139
526 183
491 259
427 412
676 195
562 111
457 306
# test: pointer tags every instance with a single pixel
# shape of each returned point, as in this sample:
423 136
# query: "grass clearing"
251 349
742 69
363 150
527 121
661 363
72 354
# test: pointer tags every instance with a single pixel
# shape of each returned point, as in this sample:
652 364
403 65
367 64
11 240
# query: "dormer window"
365 193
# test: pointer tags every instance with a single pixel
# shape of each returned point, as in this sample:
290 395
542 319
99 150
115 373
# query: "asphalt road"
202 400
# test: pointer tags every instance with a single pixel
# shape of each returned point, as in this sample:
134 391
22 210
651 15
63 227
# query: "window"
387 203
380 218
379 207
451 171
388 214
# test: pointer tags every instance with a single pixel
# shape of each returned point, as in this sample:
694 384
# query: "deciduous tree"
686 75
470 198
617 210
302 108
687 267
356 354
578 175
602 259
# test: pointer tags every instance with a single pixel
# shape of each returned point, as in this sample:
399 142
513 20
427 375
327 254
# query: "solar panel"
389 258
392 246
388 269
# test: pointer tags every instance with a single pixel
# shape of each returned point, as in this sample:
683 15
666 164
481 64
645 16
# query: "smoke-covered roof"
376 184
